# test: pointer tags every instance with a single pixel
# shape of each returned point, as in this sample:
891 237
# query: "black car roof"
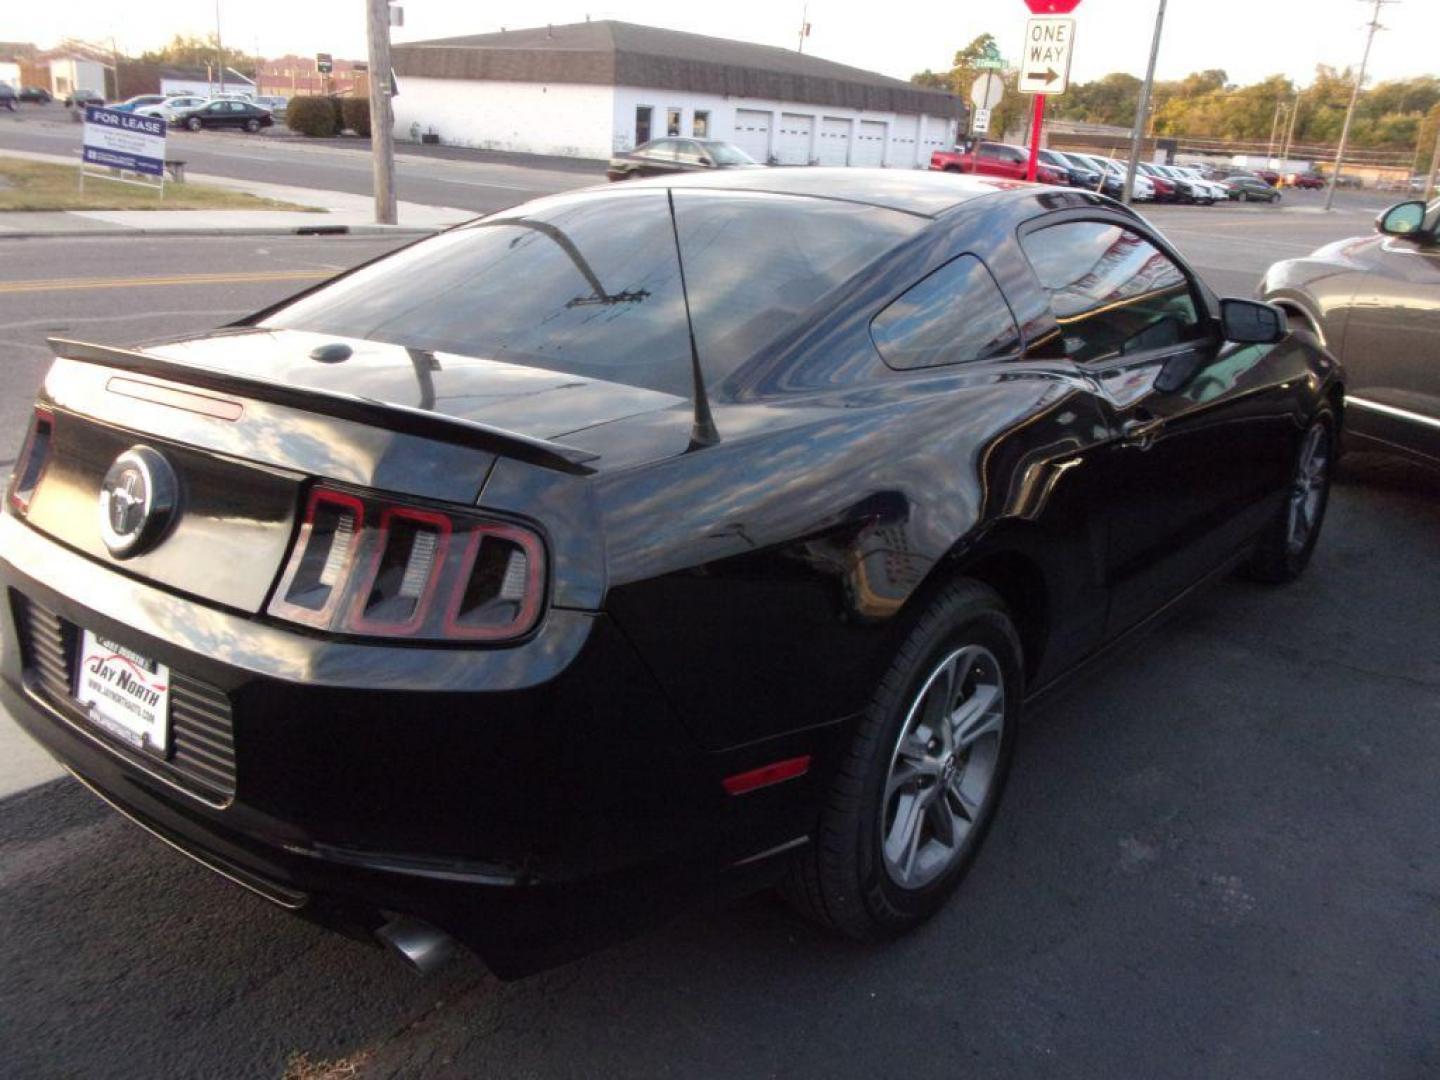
913 191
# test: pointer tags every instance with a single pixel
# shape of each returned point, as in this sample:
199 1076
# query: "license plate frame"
124 693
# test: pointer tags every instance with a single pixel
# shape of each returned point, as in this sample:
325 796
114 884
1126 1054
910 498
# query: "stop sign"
1052 7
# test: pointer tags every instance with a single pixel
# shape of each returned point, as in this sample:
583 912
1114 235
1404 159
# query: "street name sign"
1045 65
122 140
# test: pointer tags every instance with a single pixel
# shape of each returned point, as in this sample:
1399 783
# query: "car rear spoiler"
401 419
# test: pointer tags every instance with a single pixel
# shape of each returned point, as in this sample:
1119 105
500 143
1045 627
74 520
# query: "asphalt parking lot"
1218 854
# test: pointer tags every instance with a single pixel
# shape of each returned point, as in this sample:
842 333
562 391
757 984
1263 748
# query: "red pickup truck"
994 159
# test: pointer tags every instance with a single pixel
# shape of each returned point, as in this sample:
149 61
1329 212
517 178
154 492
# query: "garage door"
903 135
869 144
939 135
752 133
792 140
834 141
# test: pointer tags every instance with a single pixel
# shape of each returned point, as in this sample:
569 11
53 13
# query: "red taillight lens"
386 569
30 466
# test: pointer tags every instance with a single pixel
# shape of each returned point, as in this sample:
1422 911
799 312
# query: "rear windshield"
591 286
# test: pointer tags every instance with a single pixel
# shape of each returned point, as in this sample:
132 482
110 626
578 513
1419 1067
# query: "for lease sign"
121 140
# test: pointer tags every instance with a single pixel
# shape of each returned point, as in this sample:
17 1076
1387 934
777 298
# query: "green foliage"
310 115
1396 115
357 115
187 50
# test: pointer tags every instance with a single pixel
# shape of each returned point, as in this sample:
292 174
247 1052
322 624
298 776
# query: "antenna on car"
702 427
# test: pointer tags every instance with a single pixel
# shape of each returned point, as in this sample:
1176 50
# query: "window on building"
672 121
642 123
953 315
700 126
1113 292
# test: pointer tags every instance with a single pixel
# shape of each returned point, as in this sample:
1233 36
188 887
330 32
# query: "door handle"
1141 431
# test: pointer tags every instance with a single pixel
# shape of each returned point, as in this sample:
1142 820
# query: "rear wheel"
252 126
1285 547
911 802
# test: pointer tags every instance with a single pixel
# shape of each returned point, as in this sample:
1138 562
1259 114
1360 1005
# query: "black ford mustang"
640 544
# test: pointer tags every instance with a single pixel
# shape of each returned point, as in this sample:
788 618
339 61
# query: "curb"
249 230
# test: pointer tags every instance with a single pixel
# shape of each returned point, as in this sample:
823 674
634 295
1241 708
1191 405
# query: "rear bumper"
533 802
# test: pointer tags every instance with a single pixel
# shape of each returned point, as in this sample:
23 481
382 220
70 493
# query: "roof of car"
910 190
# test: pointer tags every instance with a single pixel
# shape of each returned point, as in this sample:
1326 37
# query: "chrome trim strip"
274 898
1391 410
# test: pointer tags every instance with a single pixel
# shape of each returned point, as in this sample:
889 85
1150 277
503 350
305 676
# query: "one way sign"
1045 66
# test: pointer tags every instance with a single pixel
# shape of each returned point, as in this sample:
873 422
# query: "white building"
589 89
71 73
204 82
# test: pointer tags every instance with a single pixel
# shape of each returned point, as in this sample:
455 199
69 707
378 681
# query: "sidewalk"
339 210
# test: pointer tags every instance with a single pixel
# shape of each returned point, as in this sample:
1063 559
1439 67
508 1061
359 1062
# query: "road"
470 180
1218 855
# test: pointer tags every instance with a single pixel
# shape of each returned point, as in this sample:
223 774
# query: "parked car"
8 96
222 113
1166 189
1375 303
36 95
996 159
135 104
1268 176
1143 188
173 108
1106 183
1245 188
274 102
81 98
1079 174
1194 187
1308 181
660 157
674 585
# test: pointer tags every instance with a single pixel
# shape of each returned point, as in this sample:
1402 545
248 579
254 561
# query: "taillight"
30 466
380 568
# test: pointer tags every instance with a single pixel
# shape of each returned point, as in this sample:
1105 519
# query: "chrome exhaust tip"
422 947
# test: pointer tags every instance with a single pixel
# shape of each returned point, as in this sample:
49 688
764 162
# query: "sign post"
1045 64
985 93
124 141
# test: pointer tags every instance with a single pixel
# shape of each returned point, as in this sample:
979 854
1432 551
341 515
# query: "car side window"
989 151
955 314
689 153
1113 292
661 150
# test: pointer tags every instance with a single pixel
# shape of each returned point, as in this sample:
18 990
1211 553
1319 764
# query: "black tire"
1278 559
841 880
194 123
252 126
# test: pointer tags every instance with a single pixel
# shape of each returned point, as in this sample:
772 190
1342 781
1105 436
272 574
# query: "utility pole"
1142 107
1354 100
1434 168
219 48
804 26
1274 129
1290 131
382 117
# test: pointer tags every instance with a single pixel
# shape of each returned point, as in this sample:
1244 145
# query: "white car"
171 108
1212 192
1142 191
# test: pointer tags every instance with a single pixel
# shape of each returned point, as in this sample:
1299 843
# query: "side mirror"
1402 219
1249 322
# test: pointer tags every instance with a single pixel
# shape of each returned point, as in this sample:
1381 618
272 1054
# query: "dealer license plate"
125 693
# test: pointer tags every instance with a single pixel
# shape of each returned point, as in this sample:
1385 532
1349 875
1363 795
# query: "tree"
186 50
1009 115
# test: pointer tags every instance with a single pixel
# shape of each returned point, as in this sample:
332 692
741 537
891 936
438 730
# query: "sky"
1250 39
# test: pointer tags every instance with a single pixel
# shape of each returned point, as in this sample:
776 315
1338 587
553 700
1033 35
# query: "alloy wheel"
1307 491
943 767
